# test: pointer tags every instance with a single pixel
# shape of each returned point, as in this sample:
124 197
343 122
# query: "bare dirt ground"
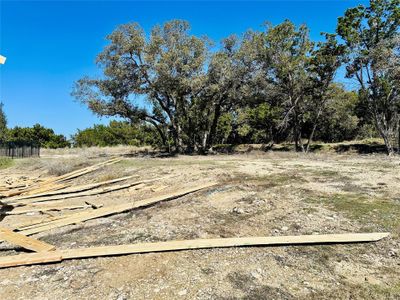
258 194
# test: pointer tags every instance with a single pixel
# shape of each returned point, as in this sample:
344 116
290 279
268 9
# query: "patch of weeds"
269 181
352 188
382 212
6 162
326 173
241 281
108 176
207 271
61 167
254 291
310 210
361 291
320 255
159 162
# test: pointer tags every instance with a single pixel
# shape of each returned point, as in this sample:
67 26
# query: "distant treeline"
116 133
264 86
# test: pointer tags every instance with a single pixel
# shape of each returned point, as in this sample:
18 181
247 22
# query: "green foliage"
263 87
116 133
372 40
339 121
5 162
45 137
3 122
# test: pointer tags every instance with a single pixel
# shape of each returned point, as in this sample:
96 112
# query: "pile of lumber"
31 198
53 183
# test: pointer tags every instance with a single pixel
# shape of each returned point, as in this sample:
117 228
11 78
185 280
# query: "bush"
37 134
116 133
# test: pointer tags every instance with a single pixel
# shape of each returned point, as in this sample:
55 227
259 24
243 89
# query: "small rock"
256 275
392 253
238 210
372 280
6 282
285 228
182 293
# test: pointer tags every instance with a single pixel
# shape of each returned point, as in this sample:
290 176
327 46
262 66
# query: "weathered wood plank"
78 188
106 211
92 192
50 208
24 241
29 259
49 183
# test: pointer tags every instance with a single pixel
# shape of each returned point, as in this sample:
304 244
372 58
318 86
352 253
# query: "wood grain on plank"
78 188
29 259
110 210
24 241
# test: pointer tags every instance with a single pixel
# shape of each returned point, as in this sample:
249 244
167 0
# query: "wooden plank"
97 191
37 189
47 184
93 192
29 259
78 188
50 208
106 211
24 241
38 223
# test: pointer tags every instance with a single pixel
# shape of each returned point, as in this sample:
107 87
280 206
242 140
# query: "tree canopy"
264 87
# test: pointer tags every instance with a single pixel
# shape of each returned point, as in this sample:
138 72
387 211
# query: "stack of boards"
29 197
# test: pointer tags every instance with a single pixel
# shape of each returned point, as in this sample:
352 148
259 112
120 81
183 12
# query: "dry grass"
5 162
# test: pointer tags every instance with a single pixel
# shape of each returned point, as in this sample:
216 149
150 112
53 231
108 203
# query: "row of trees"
278 83
116 133
37 134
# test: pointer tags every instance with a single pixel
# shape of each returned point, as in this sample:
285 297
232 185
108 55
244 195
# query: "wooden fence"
19 150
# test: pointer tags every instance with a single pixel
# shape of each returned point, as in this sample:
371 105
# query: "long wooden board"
78 188
106 211
50 183
92 192
50 208
29 259
97 191
24 241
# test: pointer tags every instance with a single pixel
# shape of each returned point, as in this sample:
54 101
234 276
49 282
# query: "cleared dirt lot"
258 194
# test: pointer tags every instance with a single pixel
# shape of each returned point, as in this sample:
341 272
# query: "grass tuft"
5 162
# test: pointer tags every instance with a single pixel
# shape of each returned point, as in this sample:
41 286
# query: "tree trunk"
384 133
398 132
311 136
297 133
214 125
160 133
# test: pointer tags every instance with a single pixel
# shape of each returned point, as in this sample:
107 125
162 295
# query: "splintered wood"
106 211
59 255
59 182
24 241
34 196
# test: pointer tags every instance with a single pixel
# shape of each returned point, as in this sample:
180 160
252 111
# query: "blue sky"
51 44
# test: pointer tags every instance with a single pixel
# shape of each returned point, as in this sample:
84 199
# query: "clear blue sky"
51 44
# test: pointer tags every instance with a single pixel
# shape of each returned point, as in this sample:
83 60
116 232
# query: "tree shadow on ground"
361 148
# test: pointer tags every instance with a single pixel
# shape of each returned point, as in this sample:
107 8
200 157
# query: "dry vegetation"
258 194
